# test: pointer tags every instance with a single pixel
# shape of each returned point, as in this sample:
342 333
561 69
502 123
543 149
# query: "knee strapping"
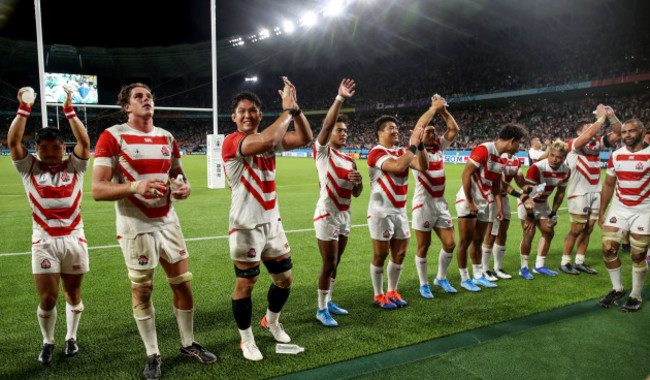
614 236
181 278
248 272
641 244
141 277
277 267
582 219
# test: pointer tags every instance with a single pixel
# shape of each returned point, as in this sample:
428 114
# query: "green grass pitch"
110 346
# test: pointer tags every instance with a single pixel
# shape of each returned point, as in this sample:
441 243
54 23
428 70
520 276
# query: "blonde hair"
560 146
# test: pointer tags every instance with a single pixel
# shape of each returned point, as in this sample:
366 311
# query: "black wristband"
413 149
294 112
421 146
515 193
529 190
525 199
552 214
531 215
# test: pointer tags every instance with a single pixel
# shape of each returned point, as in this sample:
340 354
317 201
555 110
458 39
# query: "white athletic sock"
394 272
477 270
185 320
47 321
329 295
580 259
524 261
464 274
377 277
322 299
72 316
638 279
247 335
421 266
271 317
566 259
486 255
540 261
146 322
499 254
444 259
615 276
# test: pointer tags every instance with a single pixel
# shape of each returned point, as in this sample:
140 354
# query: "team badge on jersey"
65 177
585 209
143 260
76 267
612 219
336 233
165 151
45 264
639 166
641 229
386 234
427 224
251 252
182 253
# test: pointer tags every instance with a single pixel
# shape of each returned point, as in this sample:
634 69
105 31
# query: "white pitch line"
204 238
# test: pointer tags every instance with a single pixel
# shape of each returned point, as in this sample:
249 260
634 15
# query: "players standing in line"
339 180
256 232
481 182
430 209
628 174
535 153
496 232
544 176
387 220
54 188
134 163
584 190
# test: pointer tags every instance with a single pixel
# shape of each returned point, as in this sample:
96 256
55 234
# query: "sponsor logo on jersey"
612 219
76 267
147 139
143 260
251 252
45 264
165 151
65 177
386 234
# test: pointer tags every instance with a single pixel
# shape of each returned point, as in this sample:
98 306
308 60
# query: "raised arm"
82 149
346 90
303 134
452 127
547 151
593 129
615 136
17 129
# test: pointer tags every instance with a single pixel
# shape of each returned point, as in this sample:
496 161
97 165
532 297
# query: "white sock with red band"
23 111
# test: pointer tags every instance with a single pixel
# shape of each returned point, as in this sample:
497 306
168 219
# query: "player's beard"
635 142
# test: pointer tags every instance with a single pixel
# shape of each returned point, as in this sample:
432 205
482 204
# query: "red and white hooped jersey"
388 191
430 184
632 172
333 169
135 155
490 164
510 170
252 182
541 172
585 166
54 194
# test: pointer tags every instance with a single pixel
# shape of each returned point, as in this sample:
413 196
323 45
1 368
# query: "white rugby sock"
421 266
477 270
72 316
486 255
638 279
247 335
377 277
464 274
540 261
146 322
499 254
580 259
566 259
185 320
329 295
394 273
524 261
322 299
271 317
47 321
444 259
615 276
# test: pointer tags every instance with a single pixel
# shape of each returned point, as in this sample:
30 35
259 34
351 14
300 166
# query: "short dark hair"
512 132
636 121
383 119
245 95
49 134
342 119
125 93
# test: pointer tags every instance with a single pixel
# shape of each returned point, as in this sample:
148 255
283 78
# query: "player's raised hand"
416 134
601 111
346 89
68 98
288 94
26 101
438 103
609 111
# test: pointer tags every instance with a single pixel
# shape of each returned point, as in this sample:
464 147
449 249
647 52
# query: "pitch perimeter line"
206 238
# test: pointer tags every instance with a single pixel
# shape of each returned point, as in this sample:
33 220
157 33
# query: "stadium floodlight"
277 30
333 8
288 26
263 34
308 20
250 79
